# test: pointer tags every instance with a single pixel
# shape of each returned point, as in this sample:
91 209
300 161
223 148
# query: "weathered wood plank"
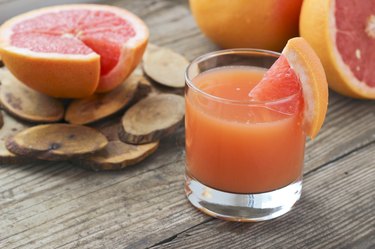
10 8
36 212
54 205
348 126
336 210
127 205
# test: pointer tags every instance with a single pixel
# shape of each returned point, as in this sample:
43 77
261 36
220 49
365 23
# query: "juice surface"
241 147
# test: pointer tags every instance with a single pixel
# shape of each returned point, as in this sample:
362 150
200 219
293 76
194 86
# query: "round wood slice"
152 119
165 66
118 155
27 104
99 106
56 141
158 88
10 128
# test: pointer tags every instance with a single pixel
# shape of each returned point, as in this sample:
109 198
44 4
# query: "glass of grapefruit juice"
244 158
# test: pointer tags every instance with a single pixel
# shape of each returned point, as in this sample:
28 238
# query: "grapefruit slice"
71 51
298 68
279 82
343 35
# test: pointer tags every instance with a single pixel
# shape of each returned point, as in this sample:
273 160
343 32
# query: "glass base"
242 207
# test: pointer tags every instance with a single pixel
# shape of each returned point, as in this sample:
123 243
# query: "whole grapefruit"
266 24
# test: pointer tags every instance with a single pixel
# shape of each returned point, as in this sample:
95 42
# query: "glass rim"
209 55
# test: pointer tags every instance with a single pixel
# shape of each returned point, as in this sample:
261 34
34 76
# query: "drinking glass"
244 158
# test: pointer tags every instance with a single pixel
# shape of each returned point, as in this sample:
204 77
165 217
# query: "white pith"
51 56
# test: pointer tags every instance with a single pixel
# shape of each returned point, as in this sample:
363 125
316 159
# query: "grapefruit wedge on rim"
342 32
72 51
297 69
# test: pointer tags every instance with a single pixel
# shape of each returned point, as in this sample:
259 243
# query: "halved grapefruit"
342 32
298 68
71 51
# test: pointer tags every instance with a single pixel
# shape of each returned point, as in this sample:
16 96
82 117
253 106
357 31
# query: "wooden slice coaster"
118 155
10 128
157 88
99 106
56 141
165 66
152 119
27 104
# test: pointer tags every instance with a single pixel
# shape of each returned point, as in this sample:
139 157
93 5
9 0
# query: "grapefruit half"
71 51
342 32
297 69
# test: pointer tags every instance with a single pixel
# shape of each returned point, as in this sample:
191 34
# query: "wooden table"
58 205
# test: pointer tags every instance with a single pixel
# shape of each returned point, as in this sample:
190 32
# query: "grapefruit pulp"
71 51
342 32
279 82
298 68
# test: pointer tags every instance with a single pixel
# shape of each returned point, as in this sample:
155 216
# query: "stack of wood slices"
102 132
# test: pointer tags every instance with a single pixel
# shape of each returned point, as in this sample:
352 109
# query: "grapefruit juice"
237 145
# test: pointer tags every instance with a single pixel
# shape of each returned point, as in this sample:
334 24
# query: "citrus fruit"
71 51
343 35
266 24
298 68
280 81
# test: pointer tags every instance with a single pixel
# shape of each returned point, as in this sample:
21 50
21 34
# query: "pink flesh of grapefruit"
280 84
342 32
355 38
75 32
117 36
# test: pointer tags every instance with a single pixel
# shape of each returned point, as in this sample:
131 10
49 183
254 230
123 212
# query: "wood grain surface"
59 205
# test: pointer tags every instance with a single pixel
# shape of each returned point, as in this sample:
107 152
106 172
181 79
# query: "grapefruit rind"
304 61
266 24
317 26
46 73
38 70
